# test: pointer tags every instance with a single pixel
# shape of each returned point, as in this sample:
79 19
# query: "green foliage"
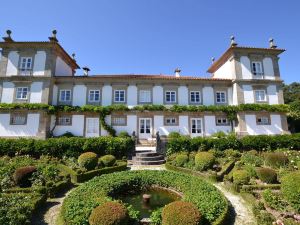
22 176
266 175
179 212
123 134
274 200
181 159
291 92
109 213
155 217
290 187
276 159
204 160
108 160
240 177
88 160
70 147
174 135
79 204
251 159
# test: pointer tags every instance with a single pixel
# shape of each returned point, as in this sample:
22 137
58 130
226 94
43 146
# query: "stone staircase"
146 155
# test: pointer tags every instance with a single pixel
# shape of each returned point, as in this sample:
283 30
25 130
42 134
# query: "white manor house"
43 72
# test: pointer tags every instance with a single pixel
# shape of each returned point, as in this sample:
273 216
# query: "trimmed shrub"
276 159
251 158
290 187
109 213
266 175
181 159
123 134
22 176
179 213
108 160
204 160
240 177
88 160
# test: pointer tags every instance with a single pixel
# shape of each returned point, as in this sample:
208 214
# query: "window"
119 95
257 68
170 96
65 95
170 121
25 66
18 119
64 121
222 121
94 96
22 93
119 121
145 96
221 97
196 126
263 120
195 96
260 96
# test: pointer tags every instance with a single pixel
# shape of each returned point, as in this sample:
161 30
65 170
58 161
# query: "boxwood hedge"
79 204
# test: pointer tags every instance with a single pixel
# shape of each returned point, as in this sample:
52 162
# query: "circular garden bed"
78 206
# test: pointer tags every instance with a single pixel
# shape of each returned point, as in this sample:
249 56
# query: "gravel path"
243 213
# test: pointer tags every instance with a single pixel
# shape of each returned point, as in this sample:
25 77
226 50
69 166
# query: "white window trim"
18 115
22 98
142 100
117 121
175 98
261 68
265 94
222 123
263 123
25 70
170 123
225 97
60 95
94 90
201 125
199 96
121 90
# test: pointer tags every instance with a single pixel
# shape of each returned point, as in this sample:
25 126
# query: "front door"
92 127
196 127
145 128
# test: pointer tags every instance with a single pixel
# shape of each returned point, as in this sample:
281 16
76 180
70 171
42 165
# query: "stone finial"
53 37
8 37
212 60
73 56
232 41
272 44
177 72
86 70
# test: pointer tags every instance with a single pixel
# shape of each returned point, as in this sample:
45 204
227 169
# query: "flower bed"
78 206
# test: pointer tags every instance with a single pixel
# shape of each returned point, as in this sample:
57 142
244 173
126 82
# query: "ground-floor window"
64 121
222 121
263 120
196 126
18 119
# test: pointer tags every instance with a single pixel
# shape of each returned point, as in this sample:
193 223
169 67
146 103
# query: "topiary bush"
108 160
240 177
179 213
276 159
181 159
88 160
22 176
109 213
204 161
290 187
266 175
251 158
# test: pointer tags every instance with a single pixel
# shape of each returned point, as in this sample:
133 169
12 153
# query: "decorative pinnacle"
8 33
212 59
8 37
53 37
177 70
272 44
54 32
73 56
232 42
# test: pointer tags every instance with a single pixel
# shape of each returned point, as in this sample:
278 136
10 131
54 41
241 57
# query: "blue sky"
156 36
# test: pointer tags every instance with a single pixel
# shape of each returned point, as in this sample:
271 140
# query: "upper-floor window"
22 93
220 97
257 68
64 121
94 96
18 119
195 97
260 96
222 121
65 95
26 66
119 95
170 96
144 96
263 120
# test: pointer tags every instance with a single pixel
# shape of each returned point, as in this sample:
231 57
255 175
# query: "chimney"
272 44
8 38
177 72
232 41
86 71
53 37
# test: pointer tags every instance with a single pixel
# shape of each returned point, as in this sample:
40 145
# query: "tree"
291 92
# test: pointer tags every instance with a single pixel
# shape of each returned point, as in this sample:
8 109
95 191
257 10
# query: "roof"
228 53
37 44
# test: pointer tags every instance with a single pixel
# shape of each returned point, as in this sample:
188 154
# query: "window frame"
115 123
166 123
195 102
196 129
25 71
60 123
150 96
89 95
119 101
60 95
227 123
254 64
22 98
12 122
265 95
261 123
171 92
225 97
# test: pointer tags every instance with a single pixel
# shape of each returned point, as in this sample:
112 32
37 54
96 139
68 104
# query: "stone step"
145 148
148 158
146 154
157 162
